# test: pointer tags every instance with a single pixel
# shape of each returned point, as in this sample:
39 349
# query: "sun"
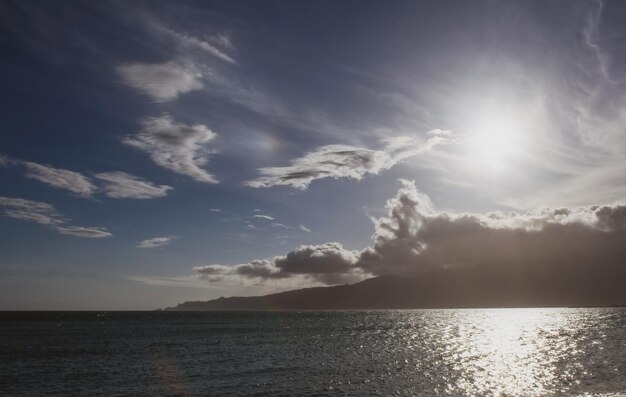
494 139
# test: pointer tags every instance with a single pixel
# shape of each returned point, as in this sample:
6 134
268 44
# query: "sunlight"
494 139
510 352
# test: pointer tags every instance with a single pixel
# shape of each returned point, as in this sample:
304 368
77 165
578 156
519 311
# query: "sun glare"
494 139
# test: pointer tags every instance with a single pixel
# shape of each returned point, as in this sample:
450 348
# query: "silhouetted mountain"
452 288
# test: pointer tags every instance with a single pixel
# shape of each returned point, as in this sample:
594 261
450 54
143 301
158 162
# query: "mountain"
450 288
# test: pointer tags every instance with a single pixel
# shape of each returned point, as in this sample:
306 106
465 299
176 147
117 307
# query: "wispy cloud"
72 181
215 210
45 214
155 242
343 161
305 229
176 146
590 35
114 184
30 211
122 185
215 45
87 232
267 217
162 82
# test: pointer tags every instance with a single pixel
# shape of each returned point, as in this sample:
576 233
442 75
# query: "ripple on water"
507 352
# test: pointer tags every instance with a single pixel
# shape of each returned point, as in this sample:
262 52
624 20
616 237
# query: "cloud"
162 82
122 185
305 229
30 211
155 242
590 34
328 263
59 178
176 146
280 225
414 238
344 161
215 210
114 184
88 232
211 46
45 214
323 259
269 218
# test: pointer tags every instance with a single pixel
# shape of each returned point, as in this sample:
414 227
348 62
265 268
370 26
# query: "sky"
154 152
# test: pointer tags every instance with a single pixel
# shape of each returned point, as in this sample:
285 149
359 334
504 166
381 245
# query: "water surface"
492 352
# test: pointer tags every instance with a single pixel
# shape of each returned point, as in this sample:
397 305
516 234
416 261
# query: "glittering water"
507 352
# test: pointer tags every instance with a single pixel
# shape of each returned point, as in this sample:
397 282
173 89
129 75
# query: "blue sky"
155 152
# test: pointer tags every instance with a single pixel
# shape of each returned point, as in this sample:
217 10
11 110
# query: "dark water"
508 352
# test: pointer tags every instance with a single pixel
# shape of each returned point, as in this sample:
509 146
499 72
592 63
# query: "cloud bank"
176 146
326 263
45 214
416 239
344 161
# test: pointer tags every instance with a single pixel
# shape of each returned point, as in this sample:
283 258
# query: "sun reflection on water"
509 352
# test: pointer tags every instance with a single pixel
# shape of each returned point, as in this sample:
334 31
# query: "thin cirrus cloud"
122 185
414 238
45 214
217 45
162 82
62 179
155 242
176 146
87 232
211 46
266 217
343 161
115 184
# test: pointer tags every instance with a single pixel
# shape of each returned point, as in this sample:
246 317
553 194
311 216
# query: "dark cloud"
413 238
317 259
328 263
561 245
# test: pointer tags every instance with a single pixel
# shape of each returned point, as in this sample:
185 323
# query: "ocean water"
492 352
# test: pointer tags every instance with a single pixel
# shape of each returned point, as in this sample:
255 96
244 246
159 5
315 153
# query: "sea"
478 352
